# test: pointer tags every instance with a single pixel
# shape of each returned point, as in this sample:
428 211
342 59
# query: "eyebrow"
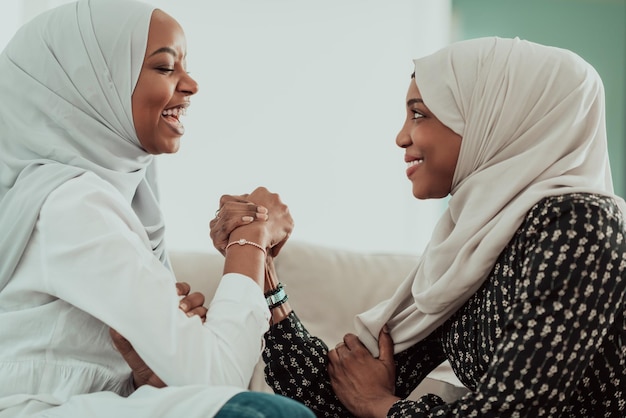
411 102
165 49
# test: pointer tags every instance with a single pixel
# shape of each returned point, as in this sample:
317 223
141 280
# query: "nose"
188 85
403 139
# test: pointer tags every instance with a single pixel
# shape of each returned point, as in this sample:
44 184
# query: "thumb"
121 344
385 346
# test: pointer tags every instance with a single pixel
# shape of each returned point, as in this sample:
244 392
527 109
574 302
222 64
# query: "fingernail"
386 329
189 314
247 219
183 306
261 209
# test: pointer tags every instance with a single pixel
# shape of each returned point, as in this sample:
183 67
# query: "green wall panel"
594 29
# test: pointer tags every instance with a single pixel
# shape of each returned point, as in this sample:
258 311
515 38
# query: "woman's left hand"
191 304
364 384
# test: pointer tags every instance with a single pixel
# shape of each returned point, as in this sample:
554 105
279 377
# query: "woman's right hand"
241 210
234 211
279 224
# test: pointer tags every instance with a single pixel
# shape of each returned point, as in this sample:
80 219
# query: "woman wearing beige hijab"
522 285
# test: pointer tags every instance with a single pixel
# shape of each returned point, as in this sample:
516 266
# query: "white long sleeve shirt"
88 267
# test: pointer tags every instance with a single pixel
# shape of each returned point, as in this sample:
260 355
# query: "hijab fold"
67 82
531 118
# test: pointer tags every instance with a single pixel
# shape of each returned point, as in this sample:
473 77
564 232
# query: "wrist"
251 233
276 297
280 312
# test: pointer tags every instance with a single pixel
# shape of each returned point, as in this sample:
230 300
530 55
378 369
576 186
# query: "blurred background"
305 98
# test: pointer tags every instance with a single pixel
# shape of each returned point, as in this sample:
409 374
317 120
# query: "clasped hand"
237 211
363 383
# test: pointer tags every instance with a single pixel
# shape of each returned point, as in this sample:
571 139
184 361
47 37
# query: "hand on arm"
192 304
364 384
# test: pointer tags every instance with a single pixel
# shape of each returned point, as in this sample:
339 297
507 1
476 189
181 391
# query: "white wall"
304 98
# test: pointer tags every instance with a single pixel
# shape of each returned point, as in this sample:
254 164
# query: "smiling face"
163 89
431 149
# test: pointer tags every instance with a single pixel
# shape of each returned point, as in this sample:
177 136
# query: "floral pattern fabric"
545 335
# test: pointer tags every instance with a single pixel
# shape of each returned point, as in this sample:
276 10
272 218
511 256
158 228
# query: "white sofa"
327 288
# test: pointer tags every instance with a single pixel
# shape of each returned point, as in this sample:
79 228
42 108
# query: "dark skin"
363 383
234 214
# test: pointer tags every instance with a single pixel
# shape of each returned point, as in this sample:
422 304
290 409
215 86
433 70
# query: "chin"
170 146
425 195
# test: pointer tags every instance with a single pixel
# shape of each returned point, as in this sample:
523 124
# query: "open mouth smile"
172 117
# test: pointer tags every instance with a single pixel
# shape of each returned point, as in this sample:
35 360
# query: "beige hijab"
532 122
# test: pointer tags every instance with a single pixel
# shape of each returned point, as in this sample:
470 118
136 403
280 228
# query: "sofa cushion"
326 287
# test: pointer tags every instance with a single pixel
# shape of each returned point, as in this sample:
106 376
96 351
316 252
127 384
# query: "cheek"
147 108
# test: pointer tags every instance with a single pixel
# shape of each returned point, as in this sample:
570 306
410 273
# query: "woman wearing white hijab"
522 285
90 91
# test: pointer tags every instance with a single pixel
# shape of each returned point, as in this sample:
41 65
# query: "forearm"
295 366
247 259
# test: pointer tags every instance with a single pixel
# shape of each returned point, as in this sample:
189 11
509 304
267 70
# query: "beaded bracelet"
244 241
276 297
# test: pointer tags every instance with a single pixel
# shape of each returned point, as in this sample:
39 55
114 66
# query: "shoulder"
575 208
86 184
87 200
574 221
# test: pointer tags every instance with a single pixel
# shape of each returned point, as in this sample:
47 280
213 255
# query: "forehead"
413 92
165 31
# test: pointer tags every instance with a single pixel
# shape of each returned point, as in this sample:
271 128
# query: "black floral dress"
544 336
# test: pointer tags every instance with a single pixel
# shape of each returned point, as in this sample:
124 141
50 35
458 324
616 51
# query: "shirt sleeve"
98 258
296 367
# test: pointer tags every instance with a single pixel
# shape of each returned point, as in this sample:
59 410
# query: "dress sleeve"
296 367
568 293
99 260
567 297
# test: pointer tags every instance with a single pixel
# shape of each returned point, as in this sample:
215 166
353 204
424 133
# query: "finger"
351 341
385 345
200 311
192 301
333 357
121 344
232 198
233 215
182 288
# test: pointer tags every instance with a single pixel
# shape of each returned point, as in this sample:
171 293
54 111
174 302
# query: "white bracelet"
244 241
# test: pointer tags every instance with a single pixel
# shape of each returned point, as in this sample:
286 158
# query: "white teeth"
415 162
176 112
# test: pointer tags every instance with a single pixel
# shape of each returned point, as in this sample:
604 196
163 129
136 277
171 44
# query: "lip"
173 121
183 105
412 168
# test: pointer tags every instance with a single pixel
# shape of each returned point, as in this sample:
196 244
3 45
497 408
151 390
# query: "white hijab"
531 118
67 80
